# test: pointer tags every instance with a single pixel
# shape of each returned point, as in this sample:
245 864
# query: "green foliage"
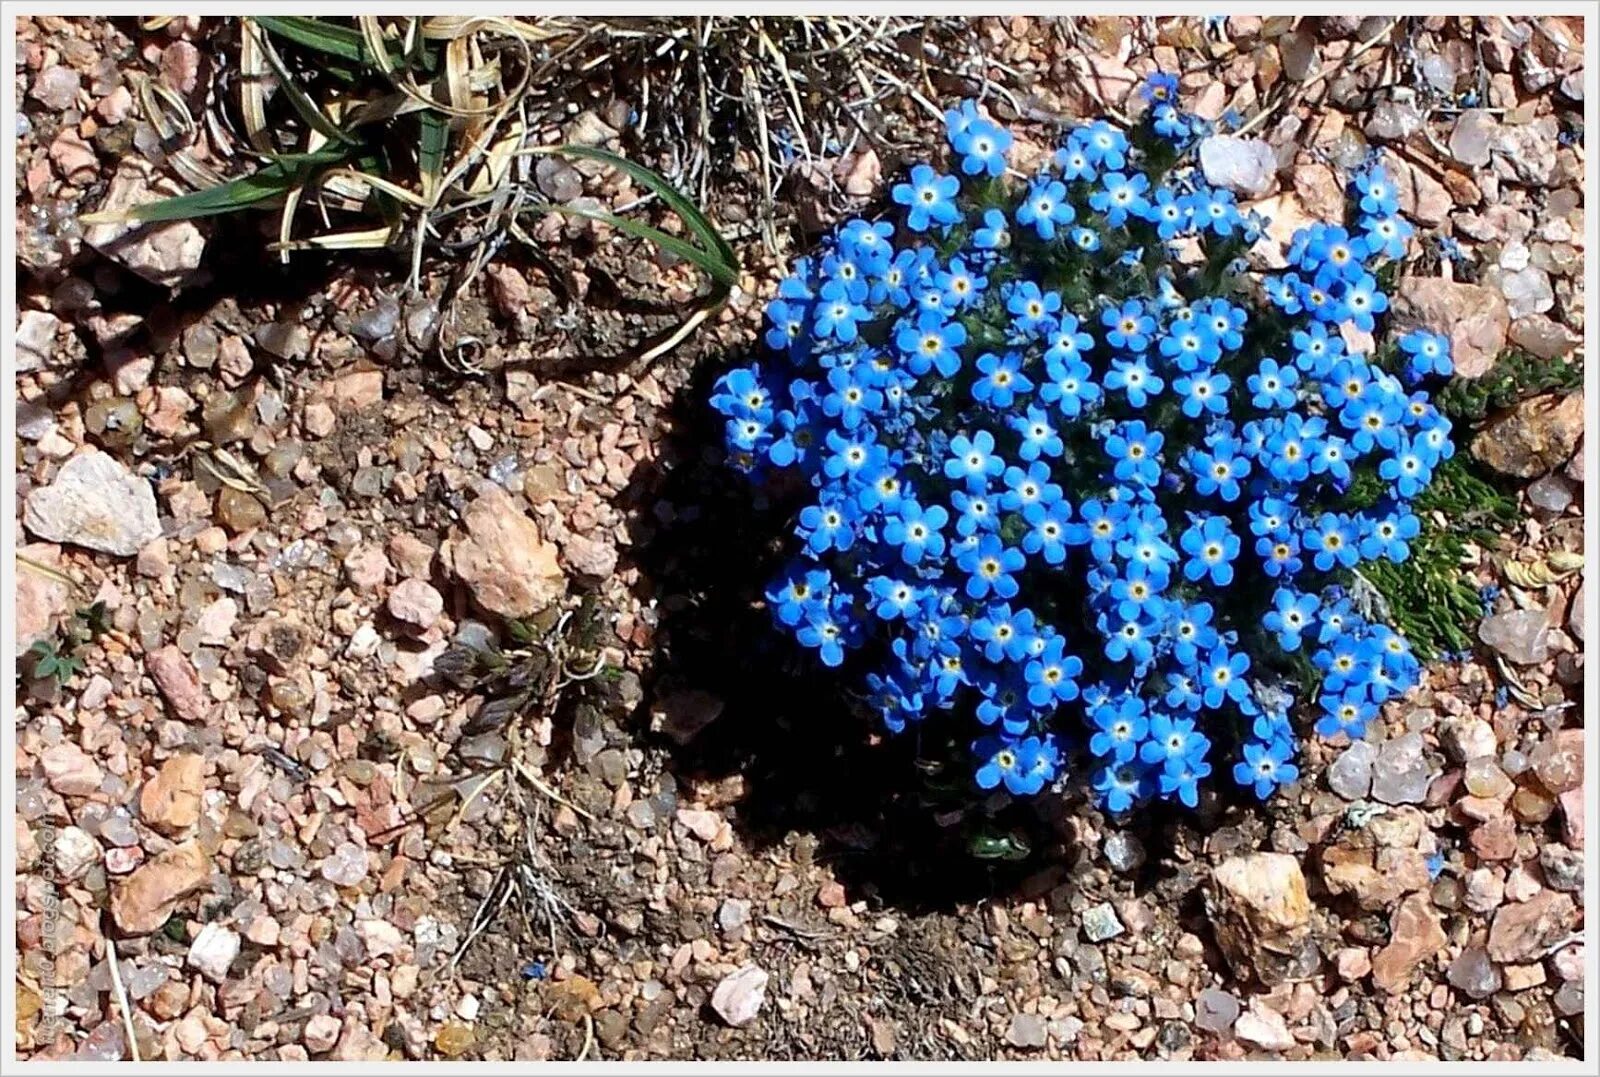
49 661
1515 376
402 132
58 660
1430 597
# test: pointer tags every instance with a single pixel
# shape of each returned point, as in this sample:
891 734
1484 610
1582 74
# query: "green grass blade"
331 39
710 239
318 34
432 142
307 108
273 180
708 263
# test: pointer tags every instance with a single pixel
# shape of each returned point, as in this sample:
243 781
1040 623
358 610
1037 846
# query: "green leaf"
718 270
718 251
298 98
432 142
993 845
275 179
342 42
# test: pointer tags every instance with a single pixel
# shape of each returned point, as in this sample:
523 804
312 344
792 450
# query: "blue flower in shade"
1024 767
1037 434
916 531
977 511
1192 632
1160 88
929 199
1180 778
1211 546
1045 207
828 633
1291 615
1128 326
1265 767
994 233
991 567
1121 785
972 460
793 592
1136 452
1273 386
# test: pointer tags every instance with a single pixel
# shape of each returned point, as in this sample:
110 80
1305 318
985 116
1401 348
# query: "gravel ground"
269 817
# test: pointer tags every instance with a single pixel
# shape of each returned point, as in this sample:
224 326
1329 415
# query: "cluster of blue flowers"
1077 478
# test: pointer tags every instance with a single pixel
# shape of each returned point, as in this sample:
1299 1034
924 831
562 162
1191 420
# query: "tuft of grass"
405 133
1432 599
1515 376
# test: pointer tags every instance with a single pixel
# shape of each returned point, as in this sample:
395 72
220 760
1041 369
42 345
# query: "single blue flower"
1052 675
1038 435
1291 615
1000 379
1136 451
1265 767
983 148
972 461
1211 546
929 198
1135 378
916 530
995 233
1128 326
1045 207
991 567
1273 385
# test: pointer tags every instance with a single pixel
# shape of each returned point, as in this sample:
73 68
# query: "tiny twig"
122 999
538 783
